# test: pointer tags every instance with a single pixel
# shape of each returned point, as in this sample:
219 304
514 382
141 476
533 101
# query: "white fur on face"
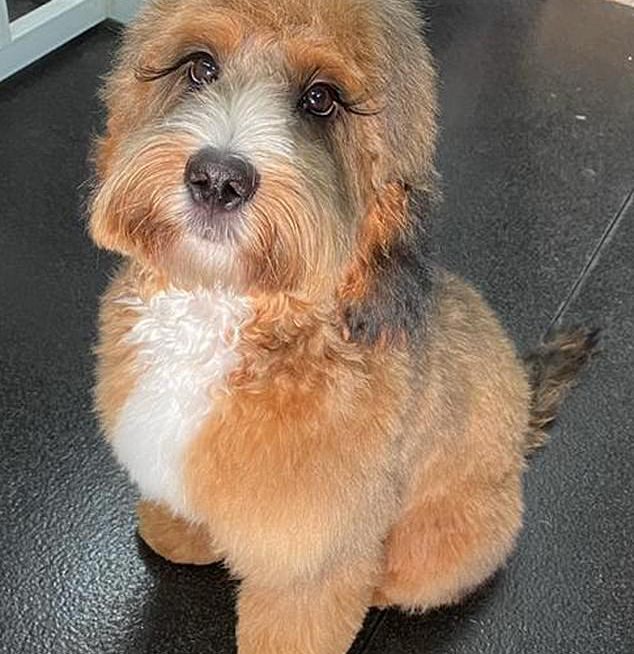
251 121
186 348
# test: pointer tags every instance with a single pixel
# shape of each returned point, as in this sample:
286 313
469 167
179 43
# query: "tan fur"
335 472
385 218
175 538
462 511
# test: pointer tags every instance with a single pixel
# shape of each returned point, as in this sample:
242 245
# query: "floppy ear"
387 287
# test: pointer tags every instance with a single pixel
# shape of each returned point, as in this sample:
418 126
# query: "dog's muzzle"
220 182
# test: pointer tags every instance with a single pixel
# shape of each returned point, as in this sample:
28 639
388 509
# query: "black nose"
220 181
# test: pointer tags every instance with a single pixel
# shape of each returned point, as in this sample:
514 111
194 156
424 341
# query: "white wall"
123 10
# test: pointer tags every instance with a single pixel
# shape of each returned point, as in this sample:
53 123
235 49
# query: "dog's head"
274 146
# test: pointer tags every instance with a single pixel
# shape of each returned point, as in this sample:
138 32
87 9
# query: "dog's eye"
320 100
203 70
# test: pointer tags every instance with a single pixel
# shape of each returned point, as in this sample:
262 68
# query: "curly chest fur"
303 435
186 347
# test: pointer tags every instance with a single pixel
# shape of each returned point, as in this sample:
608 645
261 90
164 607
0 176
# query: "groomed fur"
294 387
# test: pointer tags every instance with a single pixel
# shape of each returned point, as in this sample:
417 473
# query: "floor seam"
592 260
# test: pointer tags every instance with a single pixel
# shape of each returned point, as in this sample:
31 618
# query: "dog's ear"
408 119
127 93
387 287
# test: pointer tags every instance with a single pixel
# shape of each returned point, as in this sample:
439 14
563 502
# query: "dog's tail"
552 370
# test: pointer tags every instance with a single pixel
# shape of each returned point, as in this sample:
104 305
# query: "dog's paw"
173 538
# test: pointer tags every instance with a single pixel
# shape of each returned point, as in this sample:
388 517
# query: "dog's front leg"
317 617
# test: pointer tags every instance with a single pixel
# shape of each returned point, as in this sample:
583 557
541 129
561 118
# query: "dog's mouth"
216 224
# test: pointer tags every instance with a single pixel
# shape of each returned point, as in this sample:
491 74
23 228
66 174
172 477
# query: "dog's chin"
216 226
204 258
208 252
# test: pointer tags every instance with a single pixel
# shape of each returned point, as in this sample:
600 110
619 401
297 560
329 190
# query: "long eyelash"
357 110
149 74
351 107
356 107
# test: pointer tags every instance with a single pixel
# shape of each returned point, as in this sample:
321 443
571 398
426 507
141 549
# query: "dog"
294 386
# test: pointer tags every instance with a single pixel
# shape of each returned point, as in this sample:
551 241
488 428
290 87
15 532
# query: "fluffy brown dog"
291 384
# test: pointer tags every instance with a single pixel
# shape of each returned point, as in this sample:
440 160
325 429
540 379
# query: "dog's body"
290 383
296 450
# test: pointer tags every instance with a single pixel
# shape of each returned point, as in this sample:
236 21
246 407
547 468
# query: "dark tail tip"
552 370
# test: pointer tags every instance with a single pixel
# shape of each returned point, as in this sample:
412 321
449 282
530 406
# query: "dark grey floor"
537 158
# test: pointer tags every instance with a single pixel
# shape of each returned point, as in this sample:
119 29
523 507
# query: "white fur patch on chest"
187 346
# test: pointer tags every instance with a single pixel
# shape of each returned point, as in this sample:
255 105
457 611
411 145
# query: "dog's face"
265 144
